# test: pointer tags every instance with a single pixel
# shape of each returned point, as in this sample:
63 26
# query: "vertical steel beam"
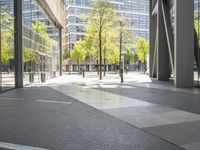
163 68
184 43
153 26
168 31
18 7
151 52
61 51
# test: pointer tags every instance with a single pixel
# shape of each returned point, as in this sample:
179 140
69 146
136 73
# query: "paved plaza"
76 113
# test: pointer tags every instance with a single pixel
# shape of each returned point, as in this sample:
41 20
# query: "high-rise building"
30 41
136 10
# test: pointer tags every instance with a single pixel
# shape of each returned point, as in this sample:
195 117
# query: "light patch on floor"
108 86
159 119
7 98
18 146
192 146
56 102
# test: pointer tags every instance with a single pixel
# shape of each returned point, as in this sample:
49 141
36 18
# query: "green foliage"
30 56
79 52
44 39
7 38
103 33
46 44
142 49
100 22
40 28
197 28
135 57
66 54
129 55
101 15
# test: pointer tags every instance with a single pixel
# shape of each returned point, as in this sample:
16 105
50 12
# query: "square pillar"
152 41
18 8
163 65
184 43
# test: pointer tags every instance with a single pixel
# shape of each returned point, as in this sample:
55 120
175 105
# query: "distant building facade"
136 10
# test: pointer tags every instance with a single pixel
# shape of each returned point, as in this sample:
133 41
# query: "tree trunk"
78 66
69 68
100 48
85 65
120 49
115 68
97 67
104 66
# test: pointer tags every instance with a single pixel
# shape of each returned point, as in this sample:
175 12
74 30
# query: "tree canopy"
142 49
7 38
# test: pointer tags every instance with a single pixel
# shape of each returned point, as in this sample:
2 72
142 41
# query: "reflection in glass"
7 69
197 42
41 44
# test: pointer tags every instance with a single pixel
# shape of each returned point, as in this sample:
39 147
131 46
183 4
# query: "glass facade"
41 44
197 42
7 64
136 10
41 51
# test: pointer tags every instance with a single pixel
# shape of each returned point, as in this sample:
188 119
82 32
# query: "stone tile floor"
72 113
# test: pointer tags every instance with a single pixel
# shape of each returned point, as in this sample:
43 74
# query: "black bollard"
83 72
121 75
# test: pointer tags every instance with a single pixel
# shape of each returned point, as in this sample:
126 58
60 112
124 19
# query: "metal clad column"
184 43
18 7
163 68
61 52
153 27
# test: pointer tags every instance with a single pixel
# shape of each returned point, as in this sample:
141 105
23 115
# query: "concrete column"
153 28
61 52
184 43
163 70
18 7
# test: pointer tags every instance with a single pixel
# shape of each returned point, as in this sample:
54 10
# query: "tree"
30 56
142 49
7 39
135 57
66 54
126 39
128 56
99 19
40 28
112 47
197 43
79 53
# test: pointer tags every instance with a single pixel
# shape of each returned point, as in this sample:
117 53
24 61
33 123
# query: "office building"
31 48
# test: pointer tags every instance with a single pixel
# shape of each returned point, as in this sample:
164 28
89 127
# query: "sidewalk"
153 106
72 113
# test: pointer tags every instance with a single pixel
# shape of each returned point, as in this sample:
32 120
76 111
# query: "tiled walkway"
72 113
162 110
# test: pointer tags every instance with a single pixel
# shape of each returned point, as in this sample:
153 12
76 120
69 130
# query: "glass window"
197 43
41 44
7 65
